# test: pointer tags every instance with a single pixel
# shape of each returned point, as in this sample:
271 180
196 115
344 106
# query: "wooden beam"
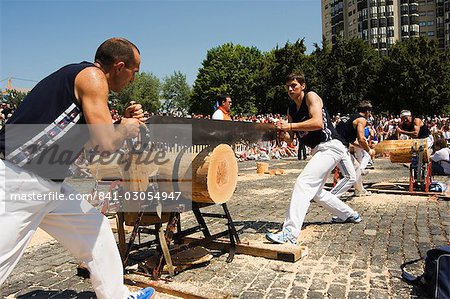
407 192
283 252
182 290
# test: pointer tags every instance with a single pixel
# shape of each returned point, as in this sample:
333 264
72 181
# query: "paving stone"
345 261
357 295
336 291
251 295
297 292
378 294
315 295
276 294
318 285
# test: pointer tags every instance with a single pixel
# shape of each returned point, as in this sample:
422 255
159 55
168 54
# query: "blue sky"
38 37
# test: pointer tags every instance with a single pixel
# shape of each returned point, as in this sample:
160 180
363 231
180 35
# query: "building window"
390 31
430 13
430 33
430 23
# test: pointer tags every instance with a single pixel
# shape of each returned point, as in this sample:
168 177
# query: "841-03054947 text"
139 195
98 195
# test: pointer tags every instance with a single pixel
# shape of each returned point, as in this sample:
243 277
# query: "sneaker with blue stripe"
352 219
283 237
147 293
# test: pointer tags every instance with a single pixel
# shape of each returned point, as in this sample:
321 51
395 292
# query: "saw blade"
186 131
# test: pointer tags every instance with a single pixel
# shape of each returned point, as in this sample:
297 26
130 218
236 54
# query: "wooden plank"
406 192
182 290
283 252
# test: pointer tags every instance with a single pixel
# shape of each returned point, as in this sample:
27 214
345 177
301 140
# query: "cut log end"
222 174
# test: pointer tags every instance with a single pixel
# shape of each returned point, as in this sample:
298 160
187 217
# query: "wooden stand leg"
121 234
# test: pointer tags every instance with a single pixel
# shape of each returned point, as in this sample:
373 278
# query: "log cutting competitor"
351 129
75 94
414 127
309 119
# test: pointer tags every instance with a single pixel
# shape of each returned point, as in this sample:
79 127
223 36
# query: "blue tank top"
312 138
44 135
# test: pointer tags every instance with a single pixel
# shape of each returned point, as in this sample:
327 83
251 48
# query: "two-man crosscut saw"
189 131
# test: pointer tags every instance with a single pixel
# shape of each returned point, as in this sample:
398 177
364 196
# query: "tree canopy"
145 89
228 69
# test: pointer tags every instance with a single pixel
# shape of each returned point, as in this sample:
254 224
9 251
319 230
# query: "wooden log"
209 176
262 167
106 168
401 151
214 175
135 178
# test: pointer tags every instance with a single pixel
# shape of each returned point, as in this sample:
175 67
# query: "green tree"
228 69
177 93
277 64
145 90
345 75
415 76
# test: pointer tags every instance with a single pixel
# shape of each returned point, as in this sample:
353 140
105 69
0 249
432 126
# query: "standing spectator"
301 151
223 111
446 133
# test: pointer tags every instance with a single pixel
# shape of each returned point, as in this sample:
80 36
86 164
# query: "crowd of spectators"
380 127
6 111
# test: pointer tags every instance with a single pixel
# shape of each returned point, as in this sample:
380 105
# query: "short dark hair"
364 106
115 49
300 77
439 144
223 98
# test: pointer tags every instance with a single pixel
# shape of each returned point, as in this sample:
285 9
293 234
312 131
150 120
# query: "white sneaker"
364 192
352 219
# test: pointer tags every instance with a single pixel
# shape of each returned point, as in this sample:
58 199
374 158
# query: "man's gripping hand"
131 126
135 111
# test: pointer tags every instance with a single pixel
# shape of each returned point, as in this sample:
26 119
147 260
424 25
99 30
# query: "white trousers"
363 157
350 169
309 186
78 226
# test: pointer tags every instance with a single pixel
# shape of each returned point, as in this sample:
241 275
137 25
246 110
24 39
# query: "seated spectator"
446 133
440 160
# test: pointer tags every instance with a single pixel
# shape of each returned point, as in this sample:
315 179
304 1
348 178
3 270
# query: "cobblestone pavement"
345 260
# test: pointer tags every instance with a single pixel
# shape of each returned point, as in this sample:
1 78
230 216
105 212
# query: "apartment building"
383 22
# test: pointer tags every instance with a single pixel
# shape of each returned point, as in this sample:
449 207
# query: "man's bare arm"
315 105
91 89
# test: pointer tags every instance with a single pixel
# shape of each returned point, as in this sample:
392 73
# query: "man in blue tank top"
75 94
308 118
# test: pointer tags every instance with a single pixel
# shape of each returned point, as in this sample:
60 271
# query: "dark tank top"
45 135
312 138
346 130
424 132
